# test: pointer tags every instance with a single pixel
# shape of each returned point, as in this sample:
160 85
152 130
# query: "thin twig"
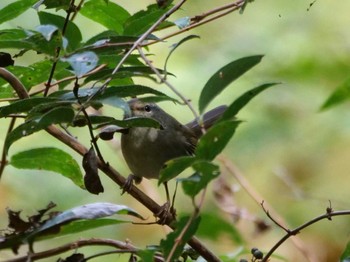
188 224
231 8
89 124
163 80
297 230
58 49
272 219
126 247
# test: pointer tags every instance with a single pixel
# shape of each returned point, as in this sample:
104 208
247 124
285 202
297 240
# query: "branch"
74 245
328 215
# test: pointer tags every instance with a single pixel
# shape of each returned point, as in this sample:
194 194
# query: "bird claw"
167 212
129 182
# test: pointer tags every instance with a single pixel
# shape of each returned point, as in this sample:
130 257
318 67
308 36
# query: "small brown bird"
146 149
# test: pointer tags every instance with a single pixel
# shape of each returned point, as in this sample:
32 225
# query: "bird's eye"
147 108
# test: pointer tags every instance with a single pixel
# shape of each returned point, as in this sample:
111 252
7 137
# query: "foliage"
74 76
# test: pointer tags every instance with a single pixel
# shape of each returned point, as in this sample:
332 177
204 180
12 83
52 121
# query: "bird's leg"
167 210
129 182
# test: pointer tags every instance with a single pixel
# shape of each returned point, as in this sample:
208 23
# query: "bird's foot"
129 182
167 212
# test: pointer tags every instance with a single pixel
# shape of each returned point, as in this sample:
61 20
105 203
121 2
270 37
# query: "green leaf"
135 122
146 255
244 99
214 227
88 211
129 71
32 75
345 257
128 91
23 105
15 9
50 159
174 167
223 77
204 173
340 95
54 116
14 38
84 225
143 20
41 45
82 63
72 32
215 140
111 15
168 244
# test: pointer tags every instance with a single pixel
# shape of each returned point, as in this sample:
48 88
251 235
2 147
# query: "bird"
146 149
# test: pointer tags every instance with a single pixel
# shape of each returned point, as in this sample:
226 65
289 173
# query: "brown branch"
74 245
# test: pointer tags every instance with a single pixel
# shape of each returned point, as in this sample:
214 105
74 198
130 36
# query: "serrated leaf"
138 23
244 99
72 30
50 159
82 63
223 77
110 15
213 227
204 173
88 211
15 9
24 105
174 167
340 95
168 244
215 140
54 116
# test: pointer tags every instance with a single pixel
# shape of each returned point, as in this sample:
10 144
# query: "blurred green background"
292 154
